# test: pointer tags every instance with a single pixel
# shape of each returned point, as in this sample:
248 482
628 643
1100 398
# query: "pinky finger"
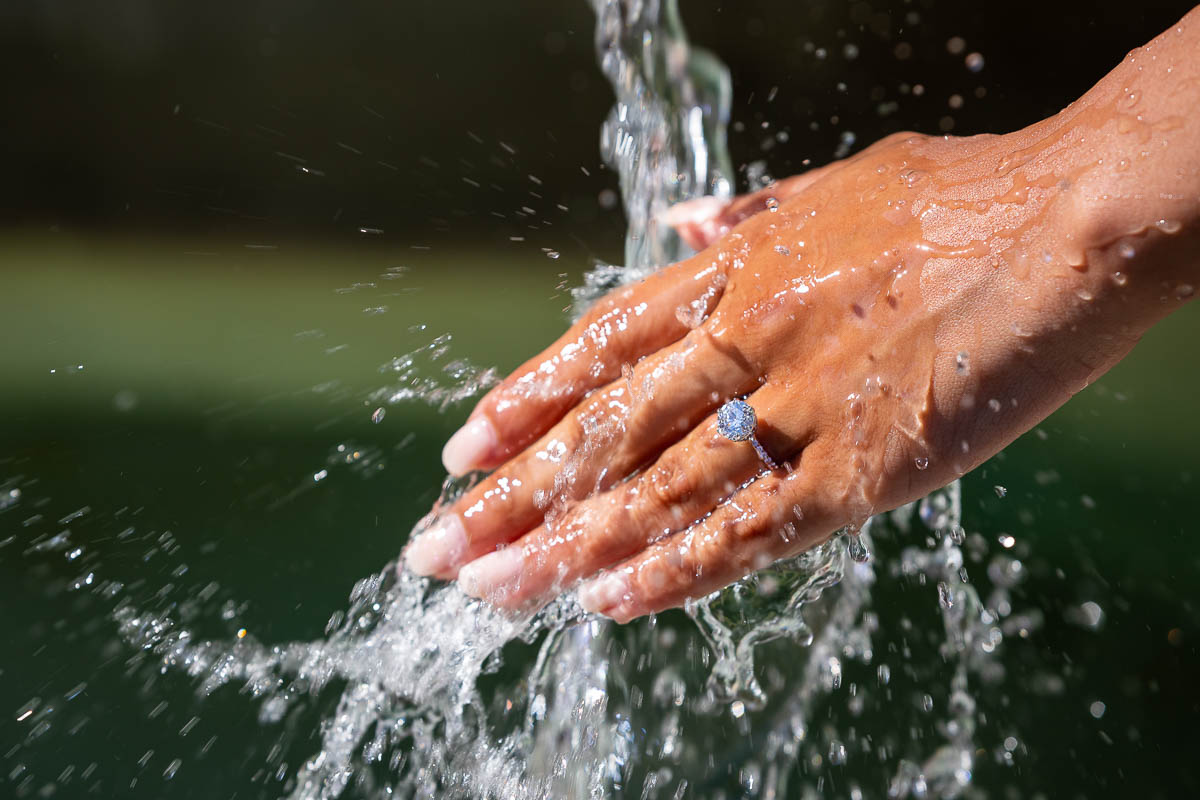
774 517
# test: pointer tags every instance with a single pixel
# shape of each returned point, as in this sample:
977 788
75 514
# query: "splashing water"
665 136
774 687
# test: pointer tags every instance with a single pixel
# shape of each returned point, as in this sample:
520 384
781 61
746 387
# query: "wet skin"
894 319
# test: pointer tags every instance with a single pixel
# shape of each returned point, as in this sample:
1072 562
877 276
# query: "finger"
686 482
702 221
622 327
698 222
776 516
610 434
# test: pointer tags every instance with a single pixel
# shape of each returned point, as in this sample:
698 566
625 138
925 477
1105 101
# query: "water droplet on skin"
1184 291
1085 295
1120 278
772 204
945 596
962 363
377 415
1001 492
921 462
1129 101
994 405
783 251
1168 225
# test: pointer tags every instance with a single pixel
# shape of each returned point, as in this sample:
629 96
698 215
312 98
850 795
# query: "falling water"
789 683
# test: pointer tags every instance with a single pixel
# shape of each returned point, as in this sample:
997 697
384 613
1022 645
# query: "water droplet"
856 548
1184 291
1007 540
885 674
835 672
955 45
1097 709
921 462
945 594
1168 225
1120 278
1130 100
1085 295
1087 615
962 363
994 405
974 61
772 204
552 254
1001 492
783 251
320 475
377 415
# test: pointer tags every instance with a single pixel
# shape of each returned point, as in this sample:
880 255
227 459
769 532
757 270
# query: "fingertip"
470 446
493 577
696 212
605 595
438 549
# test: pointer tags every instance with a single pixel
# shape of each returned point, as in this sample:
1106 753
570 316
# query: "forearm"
1128 158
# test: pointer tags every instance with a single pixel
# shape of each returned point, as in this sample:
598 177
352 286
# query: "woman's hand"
894 320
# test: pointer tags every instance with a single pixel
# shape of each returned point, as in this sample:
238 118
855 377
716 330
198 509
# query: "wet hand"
893 320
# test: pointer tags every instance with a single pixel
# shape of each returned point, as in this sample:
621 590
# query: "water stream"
783 685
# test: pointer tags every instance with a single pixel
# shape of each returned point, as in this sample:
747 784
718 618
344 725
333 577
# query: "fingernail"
605 593
468 446
485 577
439 548
699 210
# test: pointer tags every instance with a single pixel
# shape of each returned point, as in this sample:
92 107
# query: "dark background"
139 116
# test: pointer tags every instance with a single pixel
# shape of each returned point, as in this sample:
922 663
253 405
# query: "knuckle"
669 491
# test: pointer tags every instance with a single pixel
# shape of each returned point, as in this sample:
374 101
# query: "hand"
894 320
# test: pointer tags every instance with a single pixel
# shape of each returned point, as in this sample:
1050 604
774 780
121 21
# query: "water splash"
418 691
665 135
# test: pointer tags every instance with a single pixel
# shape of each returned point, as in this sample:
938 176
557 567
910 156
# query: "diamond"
736 421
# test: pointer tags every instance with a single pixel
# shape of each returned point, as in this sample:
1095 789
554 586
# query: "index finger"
622 327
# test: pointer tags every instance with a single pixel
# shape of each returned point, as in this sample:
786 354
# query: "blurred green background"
220 222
